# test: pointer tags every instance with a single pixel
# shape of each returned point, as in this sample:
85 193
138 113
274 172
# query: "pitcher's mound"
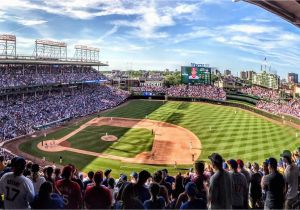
109 138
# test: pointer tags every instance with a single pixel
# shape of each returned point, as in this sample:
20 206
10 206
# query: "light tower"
50 49
86 54
8 45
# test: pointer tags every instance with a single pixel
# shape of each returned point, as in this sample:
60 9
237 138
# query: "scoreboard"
195 75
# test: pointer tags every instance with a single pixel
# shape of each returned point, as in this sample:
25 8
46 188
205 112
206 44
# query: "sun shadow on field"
90 138
175 118
135 109
184 105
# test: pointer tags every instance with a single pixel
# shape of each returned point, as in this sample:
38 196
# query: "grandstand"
70 140
48 88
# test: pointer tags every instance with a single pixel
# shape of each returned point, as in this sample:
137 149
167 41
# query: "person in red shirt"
98 196
70 190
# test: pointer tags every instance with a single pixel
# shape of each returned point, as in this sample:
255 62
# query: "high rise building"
227 72
250 75
292 78
267 80
243 74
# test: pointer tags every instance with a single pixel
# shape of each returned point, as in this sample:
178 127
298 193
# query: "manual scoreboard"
195 75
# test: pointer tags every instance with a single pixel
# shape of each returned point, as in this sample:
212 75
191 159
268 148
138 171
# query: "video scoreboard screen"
195 75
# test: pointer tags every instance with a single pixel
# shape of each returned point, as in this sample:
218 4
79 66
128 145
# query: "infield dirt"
172 144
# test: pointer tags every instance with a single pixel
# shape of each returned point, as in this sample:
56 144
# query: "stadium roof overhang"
287 9
49 62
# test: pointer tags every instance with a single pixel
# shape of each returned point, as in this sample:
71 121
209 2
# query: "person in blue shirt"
193 202
155 202
46 199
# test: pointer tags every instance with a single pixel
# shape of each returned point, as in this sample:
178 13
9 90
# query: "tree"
173 78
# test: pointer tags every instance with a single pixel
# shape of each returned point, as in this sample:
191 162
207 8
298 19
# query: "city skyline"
155 35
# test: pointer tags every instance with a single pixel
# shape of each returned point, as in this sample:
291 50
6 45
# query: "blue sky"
159 34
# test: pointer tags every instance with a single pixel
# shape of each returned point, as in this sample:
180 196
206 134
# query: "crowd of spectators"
281 107
152 89
263 93
17 76
193 91
218 184
20 115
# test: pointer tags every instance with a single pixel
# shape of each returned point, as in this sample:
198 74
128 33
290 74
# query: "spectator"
36 179
193 202
178 187
88 180
140 189
134 177
169 179
111 187
107 176
255 188
98 196
57 174
274 186
2 165
129 196
17 189
69 189
291 174
239 186
46 199
200 180
155 202
220 188
163 190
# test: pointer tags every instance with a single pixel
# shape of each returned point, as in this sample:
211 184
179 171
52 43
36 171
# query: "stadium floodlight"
86 54
50 49
8 45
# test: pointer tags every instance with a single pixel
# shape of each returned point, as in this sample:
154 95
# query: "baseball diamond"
230 131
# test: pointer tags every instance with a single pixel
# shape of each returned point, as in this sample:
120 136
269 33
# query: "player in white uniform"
17 189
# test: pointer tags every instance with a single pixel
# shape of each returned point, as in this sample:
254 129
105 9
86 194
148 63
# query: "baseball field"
171 134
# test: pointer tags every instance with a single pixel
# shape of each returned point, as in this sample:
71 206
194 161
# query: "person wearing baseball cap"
243 170
193 202
18 190
291 174
274 186
98 196
220 186
239 186
69 189
133 177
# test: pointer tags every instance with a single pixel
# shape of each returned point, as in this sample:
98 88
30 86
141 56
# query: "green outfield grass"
131 141
232 132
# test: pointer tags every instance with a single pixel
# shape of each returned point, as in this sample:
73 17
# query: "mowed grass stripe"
232 132
131 141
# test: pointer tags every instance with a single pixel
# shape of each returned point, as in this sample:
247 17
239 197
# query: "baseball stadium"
70 116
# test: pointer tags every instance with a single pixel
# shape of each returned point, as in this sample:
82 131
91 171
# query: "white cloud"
30 22
153 17
185 52
251 28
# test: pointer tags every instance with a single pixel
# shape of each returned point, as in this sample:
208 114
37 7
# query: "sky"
159 34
